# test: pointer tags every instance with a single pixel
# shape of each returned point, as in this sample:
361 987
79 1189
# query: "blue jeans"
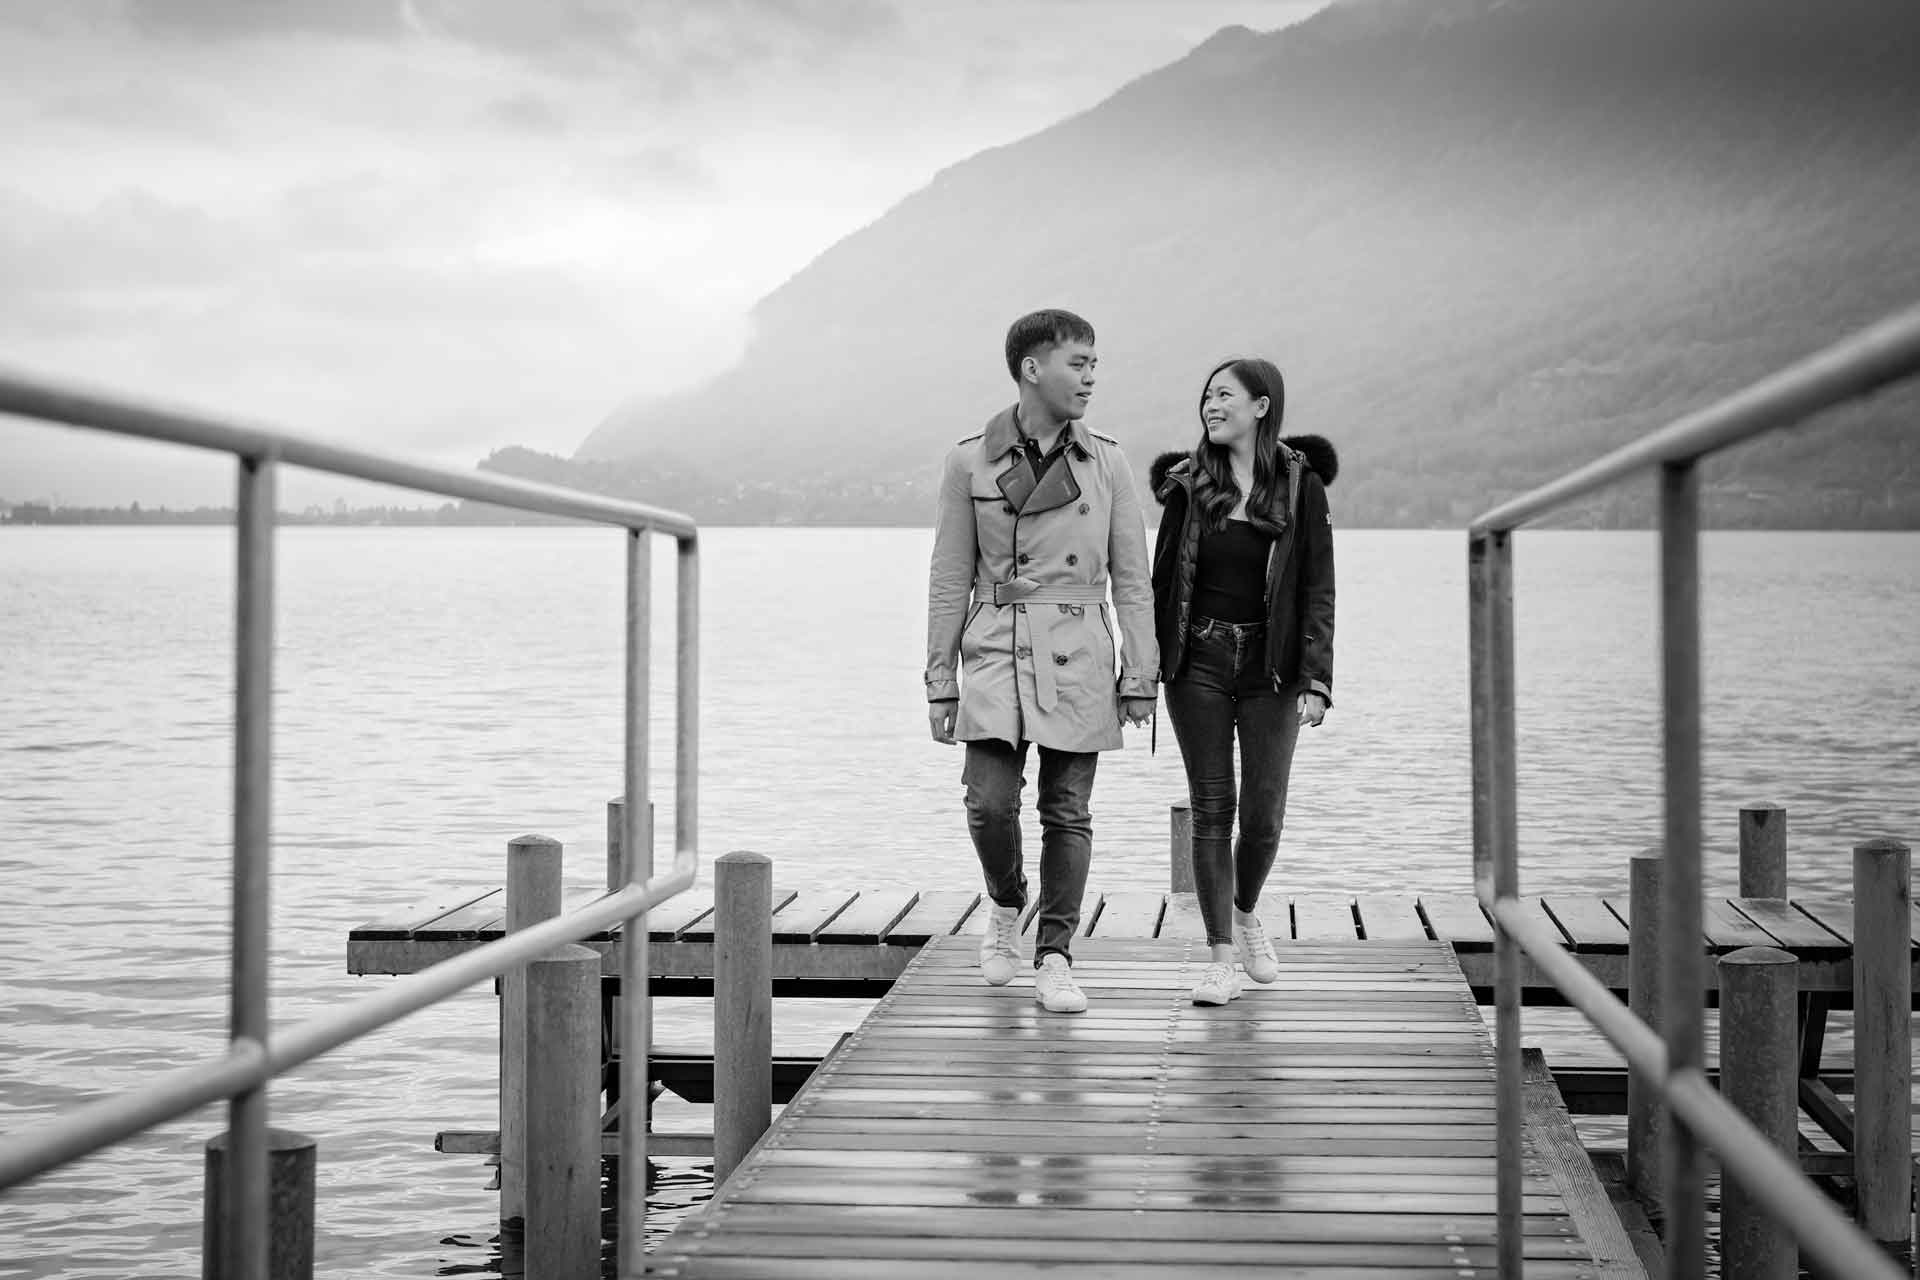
994 773
1223 692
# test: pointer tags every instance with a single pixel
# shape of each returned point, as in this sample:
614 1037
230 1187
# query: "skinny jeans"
1224 693
994 774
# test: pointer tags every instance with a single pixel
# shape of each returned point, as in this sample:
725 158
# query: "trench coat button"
1024 557
1084 508
1019 608
1023 653
1060 659
1007 507
1072 559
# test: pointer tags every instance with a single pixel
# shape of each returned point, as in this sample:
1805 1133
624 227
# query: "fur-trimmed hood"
1318 451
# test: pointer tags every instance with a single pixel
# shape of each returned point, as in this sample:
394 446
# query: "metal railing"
255 1057
1875 357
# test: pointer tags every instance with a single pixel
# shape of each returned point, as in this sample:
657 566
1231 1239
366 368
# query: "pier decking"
1337 1124
856 942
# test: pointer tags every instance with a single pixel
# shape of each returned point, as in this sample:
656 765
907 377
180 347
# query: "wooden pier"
1338 1123
854 943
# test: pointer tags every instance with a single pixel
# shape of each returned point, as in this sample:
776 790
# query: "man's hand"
1137 711
1313 708
940 718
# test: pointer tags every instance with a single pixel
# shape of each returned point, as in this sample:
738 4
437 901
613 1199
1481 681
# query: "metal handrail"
254 1055
1865 362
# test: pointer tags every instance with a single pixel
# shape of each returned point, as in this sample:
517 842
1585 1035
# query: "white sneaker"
1000 945
1255 948
1219 983
1054 987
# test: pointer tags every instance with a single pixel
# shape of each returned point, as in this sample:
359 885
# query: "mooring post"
1882 1042
1180 853
742 1006
1759 988
291 1159
562 1239
1763 851
533 895
1646 1113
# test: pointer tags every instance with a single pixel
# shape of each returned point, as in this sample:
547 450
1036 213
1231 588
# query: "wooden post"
1759 987
1646 1113
1882 1042
562 1168
742 1007
1763 851
533 895
291 1159
1180 855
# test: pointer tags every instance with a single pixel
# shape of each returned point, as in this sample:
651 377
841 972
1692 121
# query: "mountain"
1487 240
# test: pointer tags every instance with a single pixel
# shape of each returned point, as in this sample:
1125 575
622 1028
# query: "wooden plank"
1796 931
410 920
1726 929
1388 917
935 915
1587 923
1457 918
671 918
1130 914
1182 918
465 924
808 912
701 930
1832 912
1558 1149
1319 917
869 917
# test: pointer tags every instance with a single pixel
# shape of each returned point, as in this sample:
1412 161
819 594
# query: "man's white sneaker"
1255 948
1219 983
1000 945
1054 987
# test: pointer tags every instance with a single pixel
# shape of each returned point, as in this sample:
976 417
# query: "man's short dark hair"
1039 329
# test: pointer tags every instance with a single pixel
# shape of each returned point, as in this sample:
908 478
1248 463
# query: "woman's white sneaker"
1054 987
1000 945
1219 983
1255 948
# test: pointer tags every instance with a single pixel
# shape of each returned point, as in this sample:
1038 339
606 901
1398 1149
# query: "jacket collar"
1003 434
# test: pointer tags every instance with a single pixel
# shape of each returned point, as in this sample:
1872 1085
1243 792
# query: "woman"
1243 606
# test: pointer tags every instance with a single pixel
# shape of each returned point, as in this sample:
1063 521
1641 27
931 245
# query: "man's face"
1063 376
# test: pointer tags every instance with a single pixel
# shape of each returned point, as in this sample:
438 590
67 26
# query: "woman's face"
1230 414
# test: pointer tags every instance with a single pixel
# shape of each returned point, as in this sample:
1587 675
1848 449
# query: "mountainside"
1487 240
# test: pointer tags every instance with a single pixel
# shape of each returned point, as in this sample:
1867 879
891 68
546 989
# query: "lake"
440 691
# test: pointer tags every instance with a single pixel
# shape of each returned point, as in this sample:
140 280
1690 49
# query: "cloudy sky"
444 226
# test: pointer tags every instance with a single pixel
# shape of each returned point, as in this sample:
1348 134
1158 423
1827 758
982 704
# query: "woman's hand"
1313 708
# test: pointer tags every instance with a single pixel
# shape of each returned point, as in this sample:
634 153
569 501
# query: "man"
1037 514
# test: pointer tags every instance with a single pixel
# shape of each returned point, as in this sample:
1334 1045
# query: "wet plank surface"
1338 1123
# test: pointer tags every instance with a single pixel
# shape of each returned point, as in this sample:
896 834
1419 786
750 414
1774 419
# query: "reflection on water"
439 692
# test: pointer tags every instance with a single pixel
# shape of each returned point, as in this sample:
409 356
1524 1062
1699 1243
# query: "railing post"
291 1159
1759 988
1647 1116
563 1115
1683 989
533 895
1180 848
1763 851
1882 1041
742 1007
246 1200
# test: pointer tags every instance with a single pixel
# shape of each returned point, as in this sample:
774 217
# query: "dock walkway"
1337 1125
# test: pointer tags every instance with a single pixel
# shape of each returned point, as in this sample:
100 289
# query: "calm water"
442 691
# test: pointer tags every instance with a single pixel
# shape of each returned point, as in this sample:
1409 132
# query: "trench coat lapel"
1056 489
1016 482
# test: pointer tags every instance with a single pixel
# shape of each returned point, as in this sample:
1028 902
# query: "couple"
1036 516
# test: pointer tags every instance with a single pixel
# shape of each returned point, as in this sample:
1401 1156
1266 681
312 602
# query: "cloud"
251 19
528 113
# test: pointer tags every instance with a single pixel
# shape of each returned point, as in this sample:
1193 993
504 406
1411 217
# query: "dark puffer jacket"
1299 568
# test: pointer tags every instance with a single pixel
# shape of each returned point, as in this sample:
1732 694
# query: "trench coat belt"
1027 591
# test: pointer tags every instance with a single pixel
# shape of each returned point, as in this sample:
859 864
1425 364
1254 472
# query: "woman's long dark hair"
1214 491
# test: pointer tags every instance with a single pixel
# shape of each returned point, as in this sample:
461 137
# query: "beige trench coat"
1018 627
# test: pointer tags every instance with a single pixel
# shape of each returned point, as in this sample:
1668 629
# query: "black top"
1230 578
